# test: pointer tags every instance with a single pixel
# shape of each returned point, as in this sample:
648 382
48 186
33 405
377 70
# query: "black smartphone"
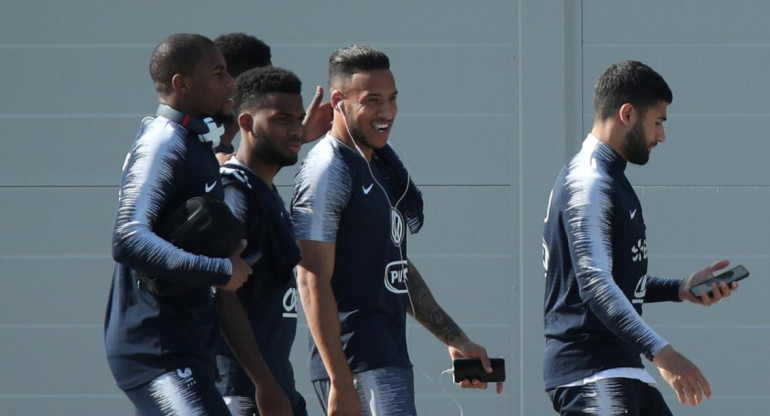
733 275
470 369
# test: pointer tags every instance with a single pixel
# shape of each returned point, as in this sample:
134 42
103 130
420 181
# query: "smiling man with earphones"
353 201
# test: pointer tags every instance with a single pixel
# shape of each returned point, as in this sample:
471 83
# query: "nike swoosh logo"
632 213
641 290
213 184
367 189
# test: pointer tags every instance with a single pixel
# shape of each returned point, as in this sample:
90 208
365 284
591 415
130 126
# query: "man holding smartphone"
353 202
595 259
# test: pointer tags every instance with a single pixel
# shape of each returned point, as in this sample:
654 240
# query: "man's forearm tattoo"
427 311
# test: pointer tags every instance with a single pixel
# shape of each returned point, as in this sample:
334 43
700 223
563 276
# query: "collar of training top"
193 124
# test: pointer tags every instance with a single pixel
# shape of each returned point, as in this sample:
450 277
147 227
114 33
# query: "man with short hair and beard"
595 258
269 114
353 200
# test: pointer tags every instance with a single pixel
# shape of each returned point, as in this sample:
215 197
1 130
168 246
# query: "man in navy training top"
270 114
352 202
595 256
158 343
243 52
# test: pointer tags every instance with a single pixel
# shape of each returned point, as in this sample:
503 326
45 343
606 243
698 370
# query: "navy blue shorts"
387 391
246 406
612 396
184 391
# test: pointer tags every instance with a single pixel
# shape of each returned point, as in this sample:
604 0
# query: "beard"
268 152
636 148
358 136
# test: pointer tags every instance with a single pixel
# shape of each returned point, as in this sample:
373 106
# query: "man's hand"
683 376
344 400
720 291
223 157
318 117
272 400
464 347
241 269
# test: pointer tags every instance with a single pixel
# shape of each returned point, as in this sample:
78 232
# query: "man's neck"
340 132
610 134
231 129
180 106
264 171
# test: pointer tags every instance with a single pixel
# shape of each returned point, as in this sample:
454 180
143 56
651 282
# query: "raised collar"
603 153
195 125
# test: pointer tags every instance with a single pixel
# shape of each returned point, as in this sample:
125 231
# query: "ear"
180 83
627 114
246 121
335 98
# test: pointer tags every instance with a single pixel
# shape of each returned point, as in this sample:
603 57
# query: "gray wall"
494 97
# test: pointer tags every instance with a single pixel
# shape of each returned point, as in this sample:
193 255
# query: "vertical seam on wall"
520 205
573 78
582 87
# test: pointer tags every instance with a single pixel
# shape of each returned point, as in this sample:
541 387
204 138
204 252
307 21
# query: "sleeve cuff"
662 290
227 273
656 349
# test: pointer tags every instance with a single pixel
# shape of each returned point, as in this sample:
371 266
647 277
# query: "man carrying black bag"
161 312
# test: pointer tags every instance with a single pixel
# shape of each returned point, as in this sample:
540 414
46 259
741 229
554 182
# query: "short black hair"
253 85
345 62
177 54
629 82
243 52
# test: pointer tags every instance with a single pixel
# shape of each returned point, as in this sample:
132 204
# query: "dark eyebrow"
377 94
288 114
